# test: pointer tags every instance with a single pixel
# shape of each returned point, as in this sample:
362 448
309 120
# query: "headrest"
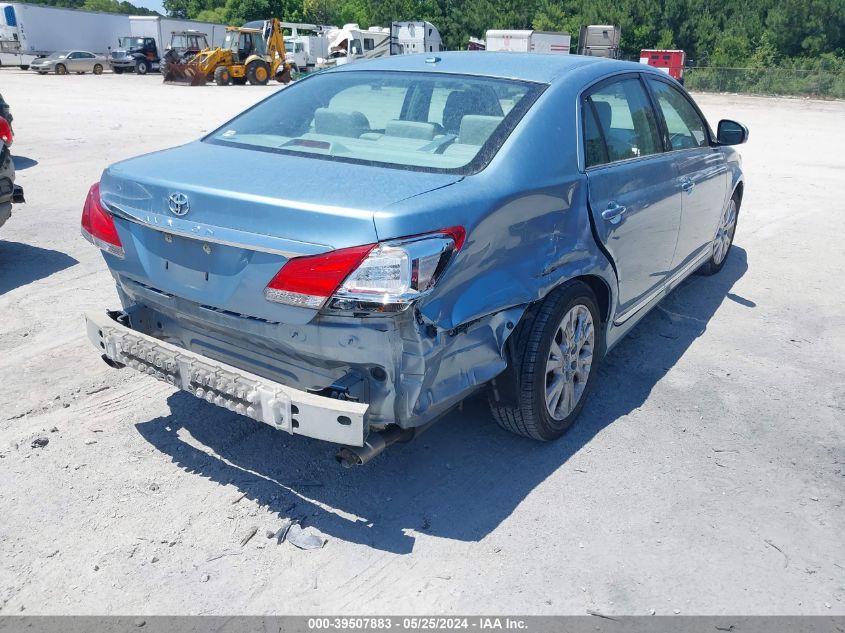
477 128
340 123
410 129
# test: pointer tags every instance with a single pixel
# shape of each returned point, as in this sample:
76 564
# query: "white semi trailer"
28 31
526 41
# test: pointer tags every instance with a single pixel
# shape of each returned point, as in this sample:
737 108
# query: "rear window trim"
481 160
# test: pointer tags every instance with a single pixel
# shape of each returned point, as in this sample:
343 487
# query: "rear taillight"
6 132
98 225
387 276
309 281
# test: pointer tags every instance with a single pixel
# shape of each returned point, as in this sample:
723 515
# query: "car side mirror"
731 133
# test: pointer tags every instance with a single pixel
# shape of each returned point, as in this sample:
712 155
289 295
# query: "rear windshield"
410 120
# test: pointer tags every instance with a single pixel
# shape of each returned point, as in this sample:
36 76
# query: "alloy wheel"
569 362
725 234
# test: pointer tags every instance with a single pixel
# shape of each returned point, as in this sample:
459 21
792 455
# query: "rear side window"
626 120
595 151
686 129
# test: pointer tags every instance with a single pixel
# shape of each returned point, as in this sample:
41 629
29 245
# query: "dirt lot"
706 474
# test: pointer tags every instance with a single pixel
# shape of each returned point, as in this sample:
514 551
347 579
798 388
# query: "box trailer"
141 48
526 41
28 31
670 62
414 37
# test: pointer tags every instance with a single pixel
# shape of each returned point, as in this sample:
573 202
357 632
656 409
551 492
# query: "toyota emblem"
178 203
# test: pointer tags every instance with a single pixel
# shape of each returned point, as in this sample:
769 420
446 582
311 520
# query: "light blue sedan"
355 255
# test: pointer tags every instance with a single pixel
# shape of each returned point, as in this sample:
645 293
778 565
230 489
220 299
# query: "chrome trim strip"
698 261
218 235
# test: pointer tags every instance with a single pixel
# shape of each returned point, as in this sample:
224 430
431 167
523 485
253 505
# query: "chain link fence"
817 82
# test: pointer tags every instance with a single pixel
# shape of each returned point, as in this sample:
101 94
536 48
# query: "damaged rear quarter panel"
526 217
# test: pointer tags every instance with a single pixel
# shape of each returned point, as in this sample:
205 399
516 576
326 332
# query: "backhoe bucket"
184 75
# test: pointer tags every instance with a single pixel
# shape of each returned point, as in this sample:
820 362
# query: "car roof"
539 67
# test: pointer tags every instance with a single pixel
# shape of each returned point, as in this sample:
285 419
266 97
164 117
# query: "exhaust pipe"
349 456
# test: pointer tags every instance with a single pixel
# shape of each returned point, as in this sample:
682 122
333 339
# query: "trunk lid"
214 224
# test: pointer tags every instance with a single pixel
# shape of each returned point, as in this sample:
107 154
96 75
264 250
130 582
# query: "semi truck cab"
135 54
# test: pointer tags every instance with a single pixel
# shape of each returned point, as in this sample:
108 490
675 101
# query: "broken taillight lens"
385 277
98 225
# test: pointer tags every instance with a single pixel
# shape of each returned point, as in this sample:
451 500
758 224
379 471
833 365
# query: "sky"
155 5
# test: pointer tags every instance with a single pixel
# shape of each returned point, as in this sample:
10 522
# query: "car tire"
222 76
546 392
61 69
142 67
722 243
258 73
98 69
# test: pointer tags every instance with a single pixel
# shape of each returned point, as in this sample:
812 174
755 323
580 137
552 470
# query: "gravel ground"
706 474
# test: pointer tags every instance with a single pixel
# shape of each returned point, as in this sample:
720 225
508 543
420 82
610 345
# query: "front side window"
425 121
626 120
686 128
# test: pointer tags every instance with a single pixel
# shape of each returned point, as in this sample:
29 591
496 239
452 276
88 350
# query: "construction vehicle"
247 55
183 46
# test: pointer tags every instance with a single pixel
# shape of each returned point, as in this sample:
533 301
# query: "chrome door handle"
613 213
687 185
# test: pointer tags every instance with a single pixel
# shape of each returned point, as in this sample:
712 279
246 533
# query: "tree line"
717 33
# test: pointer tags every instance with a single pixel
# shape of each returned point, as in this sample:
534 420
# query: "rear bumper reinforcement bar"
282 407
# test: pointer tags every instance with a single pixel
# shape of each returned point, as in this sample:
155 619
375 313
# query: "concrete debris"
205 578
302 539
40 442
228 552
281 534
249 535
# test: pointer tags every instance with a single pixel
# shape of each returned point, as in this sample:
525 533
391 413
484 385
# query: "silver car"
64 62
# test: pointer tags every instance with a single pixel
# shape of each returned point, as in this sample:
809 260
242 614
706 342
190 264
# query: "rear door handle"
613 213
687 185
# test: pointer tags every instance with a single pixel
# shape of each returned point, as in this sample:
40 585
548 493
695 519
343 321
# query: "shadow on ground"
459 480
22 162
21 264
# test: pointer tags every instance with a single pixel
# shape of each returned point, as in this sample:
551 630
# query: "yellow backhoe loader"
247 55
